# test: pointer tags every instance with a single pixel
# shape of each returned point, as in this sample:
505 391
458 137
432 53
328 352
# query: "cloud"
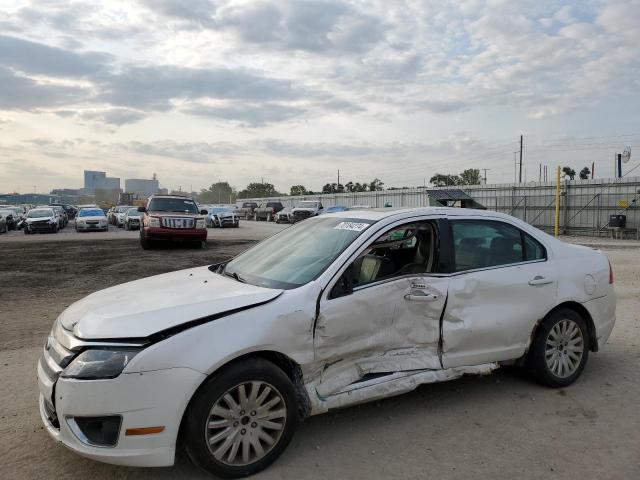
112 116
37 58
250 115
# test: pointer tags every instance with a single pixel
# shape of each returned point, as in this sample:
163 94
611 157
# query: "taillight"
610 274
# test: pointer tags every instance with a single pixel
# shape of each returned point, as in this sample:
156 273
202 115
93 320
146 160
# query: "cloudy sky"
290 92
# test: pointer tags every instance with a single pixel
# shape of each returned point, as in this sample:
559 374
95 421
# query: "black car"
70 210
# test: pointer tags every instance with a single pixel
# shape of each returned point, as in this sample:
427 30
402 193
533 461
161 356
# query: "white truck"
306 209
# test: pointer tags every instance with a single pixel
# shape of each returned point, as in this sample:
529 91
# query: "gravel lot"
500 426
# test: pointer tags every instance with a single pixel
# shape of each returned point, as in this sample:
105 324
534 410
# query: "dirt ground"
500 426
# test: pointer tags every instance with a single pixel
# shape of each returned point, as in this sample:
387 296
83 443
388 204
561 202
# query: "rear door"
389 321
501 285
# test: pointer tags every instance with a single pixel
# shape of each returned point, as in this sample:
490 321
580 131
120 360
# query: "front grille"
302 214
178 222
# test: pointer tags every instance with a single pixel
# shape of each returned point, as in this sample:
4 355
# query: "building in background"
29 198
142 188
95 180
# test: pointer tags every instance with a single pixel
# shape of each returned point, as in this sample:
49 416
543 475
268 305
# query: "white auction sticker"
356 227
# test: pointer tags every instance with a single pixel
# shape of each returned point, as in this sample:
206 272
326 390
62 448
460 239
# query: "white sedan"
339 309
91 219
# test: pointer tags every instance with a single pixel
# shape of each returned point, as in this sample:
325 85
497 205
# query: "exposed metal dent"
388 386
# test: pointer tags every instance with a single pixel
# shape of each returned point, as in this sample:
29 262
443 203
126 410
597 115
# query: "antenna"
626 155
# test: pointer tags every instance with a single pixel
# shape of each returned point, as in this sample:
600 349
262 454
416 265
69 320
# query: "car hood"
39 219
150 305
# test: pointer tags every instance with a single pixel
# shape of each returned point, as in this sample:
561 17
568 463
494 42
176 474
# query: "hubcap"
245 423
564 348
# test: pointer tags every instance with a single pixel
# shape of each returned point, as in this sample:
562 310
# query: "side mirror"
344 285
142 209
203 212
320 207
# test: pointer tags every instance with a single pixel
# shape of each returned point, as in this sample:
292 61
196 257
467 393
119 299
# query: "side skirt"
389 385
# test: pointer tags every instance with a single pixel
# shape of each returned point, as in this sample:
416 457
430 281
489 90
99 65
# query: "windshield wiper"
235 276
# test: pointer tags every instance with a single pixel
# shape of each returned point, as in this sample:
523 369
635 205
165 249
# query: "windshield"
298 254
220 210
91 213
133 212
173 205
39 213
122 209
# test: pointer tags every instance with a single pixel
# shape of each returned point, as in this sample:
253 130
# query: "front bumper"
175 234
91 227
145 399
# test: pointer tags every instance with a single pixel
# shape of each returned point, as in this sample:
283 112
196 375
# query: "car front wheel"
241 419
560 349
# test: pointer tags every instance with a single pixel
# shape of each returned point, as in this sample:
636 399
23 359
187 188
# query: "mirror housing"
142 209
203 212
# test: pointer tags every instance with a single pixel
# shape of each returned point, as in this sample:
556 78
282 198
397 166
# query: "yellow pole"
557 220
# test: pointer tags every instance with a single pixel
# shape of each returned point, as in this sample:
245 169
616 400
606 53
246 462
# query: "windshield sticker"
355 227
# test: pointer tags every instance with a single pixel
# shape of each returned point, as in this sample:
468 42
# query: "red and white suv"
172 218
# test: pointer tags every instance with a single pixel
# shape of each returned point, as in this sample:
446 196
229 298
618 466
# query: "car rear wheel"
560 349
241 419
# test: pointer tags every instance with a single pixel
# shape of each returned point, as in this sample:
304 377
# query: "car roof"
381 213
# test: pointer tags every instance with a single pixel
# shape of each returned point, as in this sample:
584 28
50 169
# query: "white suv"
341 309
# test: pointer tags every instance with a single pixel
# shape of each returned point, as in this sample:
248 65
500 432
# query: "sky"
290 92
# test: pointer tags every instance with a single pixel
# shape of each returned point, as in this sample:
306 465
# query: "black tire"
255 217
536 361
197 415
26 230
145 243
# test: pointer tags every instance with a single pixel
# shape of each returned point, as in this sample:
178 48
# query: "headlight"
79 222
200 223
97 364
154 222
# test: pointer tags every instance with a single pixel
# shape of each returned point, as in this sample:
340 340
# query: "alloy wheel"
245 423
564 348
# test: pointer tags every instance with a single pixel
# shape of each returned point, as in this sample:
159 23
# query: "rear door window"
490 243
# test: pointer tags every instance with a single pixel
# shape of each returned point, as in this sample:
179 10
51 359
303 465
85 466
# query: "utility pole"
540 175
338 185
515 166
485 174
520 176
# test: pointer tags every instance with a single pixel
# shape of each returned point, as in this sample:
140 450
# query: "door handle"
540 280
421 297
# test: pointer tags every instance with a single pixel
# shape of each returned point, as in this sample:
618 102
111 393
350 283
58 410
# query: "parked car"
60 214
284 215
70 210
132 219
6 217
41 220
267 211
246 210
172 218
120 213
17 216
337 310
220 217
336 208
89 219
307 209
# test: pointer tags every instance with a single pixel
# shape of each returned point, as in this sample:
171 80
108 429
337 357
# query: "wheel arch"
289 366
580 310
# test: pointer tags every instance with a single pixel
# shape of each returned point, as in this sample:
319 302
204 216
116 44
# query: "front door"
389 321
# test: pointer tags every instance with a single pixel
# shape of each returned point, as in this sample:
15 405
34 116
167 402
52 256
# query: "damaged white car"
340 309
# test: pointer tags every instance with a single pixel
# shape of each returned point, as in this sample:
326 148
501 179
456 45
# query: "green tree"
470 176
219 192
258 190
298 190
443 180
333 188
376 185
584 173
569 172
